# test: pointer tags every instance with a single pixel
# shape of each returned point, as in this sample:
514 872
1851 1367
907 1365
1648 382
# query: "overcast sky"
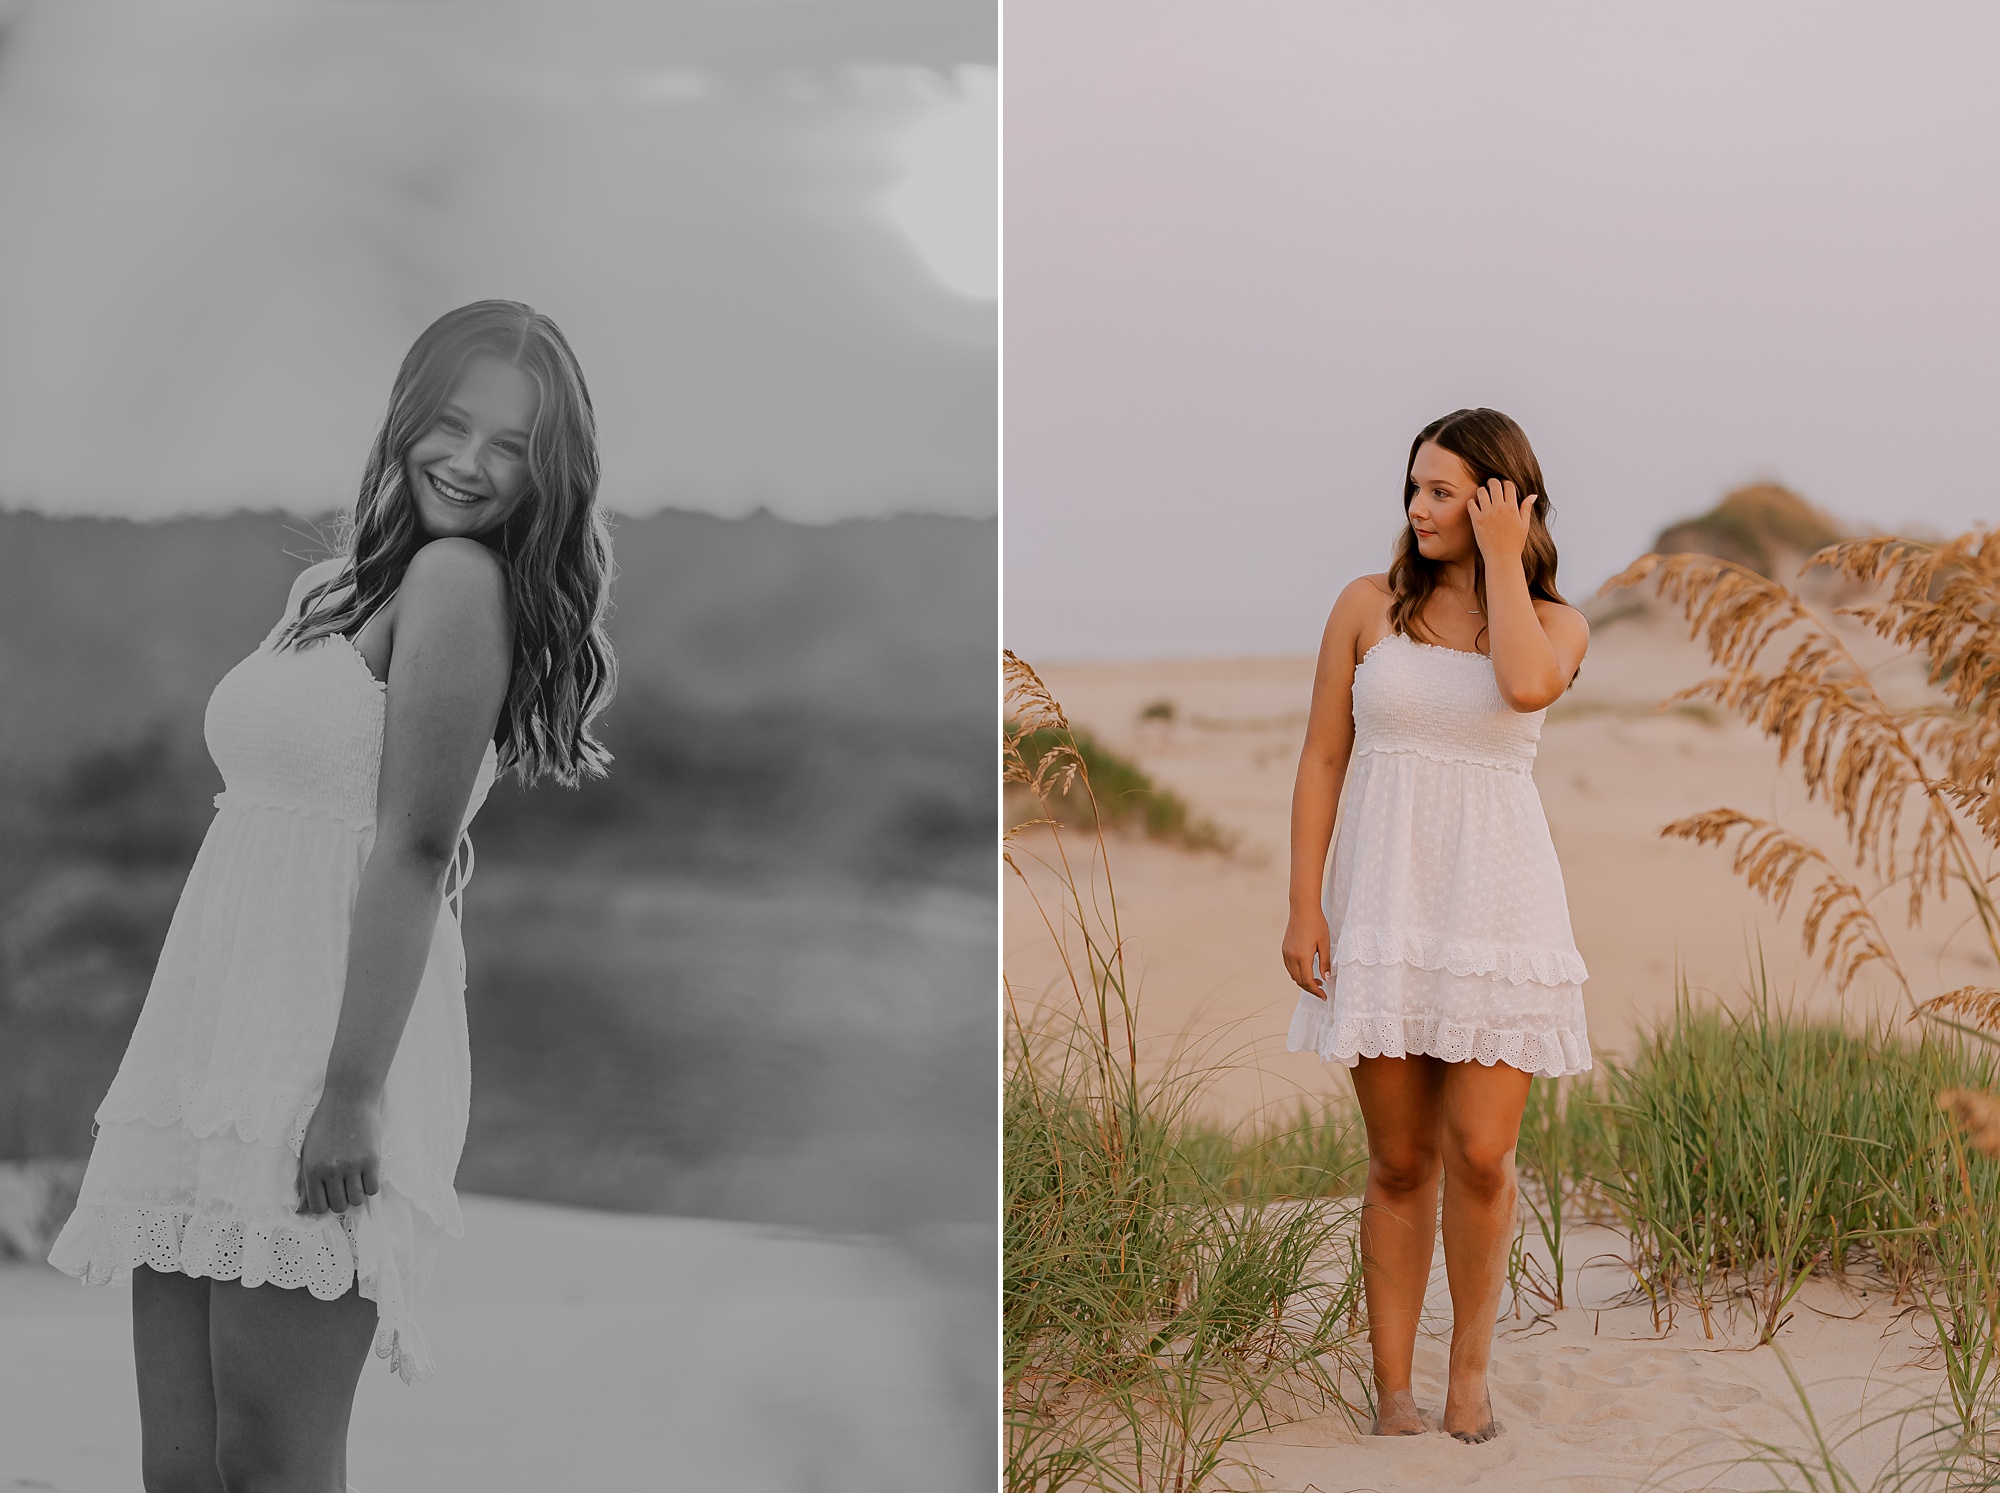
768 228
1250 249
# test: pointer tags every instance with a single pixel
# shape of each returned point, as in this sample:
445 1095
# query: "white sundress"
1450 929
196 1159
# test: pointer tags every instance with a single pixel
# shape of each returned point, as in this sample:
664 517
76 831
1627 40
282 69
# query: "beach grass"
1166 1292
1122 794
1754 1148
1170 1286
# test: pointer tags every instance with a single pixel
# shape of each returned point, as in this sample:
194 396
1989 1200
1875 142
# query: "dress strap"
458 875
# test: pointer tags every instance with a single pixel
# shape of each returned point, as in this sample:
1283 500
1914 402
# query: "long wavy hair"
1490 445
556 545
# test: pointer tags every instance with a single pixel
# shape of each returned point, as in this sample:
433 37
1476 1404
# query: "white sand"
585 1350
1588 1401
1592 1398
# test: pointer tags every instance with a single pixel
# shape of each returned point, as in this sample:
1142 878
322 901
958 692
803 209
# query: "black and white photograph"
499 512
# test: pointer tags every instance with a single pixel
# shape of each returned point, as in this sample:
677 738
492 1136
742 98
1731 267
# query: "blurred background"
1251 251
746 978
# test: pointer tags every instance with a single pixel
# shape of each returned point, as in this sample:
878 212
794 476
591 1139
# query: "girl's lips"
449 493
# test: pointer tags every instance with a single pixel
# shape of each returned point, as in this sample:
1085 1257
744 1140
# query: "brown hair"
1490 445
556 545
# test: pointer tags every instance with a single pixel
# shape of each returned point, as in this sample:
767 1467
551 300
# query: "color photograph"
1499 943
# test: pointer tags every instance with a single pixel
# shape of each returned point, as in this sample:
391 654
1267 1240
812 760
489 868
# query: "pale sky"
1250 249
768 227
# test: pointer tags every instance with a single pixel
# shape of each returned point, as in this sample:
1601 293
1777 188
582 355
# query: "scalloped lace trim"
103 1243
268 1117
1462 957
1555 1052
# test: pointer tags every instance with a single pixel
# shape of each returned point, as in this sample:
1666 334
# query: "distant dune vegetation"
1754 526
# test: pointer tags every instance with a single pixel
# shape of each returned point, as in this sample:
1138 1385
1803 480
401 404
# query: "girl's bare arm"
450 656
1322 770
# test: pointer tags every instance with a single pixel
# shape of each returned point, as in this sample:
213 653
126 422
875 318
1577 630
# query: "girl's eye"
508 448
450 423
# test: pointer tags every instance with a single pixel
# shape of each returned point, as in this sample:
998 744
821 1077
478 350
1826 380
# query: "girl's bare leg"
286 1364
1401 1107
176 1395
1482 1123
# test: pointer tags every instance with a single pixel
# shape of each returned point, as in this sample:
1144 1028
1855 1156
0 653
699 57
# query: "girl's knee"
1404 1169
1482 1164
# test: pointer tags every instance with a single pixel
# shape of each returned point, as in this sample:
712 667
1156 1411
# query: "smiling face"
1438 518
469 471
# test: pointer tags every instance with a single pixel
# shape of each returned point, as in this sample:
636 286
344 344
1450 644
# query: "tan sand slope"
1591 1399
585 1350
1204 929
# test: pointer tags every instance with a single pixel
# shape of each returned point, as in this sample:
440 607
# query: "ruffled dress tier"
195 1164
1445 903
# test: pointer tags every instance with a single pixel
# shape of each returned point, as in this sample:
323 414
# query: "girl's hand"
340 1164
1307 937
1500 520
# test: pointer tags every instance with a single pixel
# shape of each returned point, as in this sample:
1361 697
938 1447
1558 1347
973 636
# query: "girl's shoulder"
1360 612
1364 599
1364 596
458 585
461 570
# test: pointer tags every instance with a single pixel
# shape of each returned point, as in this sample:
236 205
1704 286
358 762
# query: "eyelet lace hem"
1556 1052
102 1244
1517 966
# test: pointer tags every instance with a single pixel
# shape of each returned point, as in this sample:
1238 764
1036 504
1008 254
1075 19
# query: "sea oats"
1876 765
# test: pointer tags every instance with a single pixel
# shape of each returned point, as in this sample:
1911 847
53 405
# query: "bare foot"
1468 1412
1397 1415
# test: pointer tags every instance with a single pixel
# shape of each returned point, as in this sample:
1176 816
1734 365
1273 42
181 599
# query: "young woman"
274 1161
1440 966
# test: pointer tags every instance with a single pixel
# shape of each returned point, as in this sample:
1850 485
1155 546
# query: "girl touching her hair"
1436 959
274 1161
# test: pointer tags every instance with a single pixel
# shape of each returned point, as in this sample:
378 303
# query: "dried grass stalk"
1980 1004
1977 1114
1770 858
1033 709
1874 764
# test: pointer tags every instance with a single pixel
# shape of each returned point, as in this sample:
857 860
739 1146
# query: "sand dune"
587 1350
1204 929
1591 1398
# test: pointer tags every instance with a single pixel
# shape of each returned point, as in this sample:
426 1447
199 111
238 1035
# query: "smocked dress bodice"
300 730
1439 703
1444 899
